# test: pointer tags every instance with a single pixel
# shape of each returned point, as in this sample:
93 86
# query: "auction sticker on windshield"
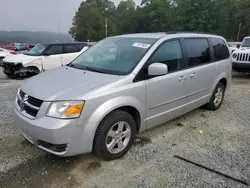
141 45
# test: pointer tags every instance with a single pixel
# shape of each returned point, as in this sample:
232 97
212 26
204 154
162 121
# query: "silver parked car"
120 87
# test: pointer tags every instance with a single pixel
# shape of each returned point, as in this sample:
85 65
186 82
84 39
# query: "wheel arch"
130 110
128 104
221 78
224 82
36 64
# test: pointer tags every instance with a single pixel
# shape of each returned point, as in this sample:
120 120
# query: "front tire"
9 75
114 136
217 97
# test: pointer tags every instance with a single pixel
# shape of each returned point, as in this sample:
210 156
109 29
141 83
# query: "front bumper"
11 68
56 136
241 67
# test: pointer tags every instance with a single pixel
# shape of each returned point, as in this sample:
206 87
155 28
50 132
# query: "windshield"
246 43
37 50
117 56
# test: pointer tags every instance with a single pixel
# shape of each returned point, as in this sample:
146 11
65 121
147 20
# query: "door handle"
182 78
193 75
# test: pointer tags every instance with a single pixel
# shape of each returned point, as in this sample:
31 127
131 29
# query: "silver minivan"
121 87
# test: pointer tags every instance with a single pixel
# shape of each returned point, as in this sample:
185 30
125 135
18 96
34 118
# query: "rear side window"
54 50
198 52
69 48
169 53
220 49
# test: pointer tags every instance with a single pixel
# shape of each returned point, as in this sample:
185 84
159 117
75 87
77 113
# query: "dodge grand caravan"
121 87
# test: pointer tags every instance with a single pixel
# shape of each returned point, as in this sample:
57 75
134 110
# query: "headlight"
65 109
235 55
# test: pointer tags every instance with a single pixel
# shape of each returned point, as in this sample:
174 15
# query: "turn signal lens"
73 109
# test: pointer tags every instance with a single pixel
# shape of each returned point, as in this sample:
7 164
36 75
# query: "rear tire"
114 136
217 97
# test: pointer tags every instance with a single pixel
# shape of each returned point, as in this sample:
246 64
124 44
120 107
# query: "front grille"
28 104
244 57
30 111
21 93
11 66
34 101
52 147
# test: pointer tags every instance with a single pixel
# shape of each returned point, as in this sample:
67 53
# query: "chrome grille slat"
34 101
30 105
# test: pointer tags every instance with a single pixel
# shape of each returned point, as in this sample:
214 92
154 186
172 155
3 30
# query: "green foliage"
220 17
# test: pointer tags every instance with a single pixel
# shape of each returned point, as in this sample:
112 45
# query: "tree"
220 17
89 20
243 17
125 17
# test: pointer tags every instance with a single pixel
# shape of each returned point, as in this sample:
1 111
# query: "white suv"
42 57
241 57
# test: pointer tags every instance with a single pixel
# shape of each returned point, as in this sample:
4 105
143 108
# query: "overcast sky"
39 15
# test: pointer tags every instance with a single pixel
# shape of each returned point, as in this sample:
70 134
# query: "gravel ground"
223 145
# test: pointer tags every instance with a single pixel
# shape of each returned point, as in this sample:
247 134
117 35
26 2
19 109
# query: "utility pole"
238 36
106 21
106 27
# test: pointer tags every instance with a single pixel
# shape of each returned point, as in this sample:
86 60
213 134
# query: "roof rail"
179 32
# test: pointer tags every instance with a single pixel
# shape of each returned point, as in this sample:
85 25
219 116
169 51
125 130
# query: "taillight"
13 53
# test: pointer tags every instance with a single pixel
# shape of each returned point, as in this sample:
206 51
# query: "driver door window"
169 53
54 50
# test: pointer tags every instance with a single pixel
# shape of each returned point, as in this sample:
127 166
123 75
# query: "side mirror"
238 46
157 69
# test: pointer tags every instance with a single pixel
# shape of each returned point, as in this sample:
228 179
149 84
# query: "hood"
65 83
244 48
20 58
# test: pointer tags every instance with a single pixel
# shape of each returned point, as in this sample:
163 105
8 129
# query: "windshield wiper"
94 69
87 68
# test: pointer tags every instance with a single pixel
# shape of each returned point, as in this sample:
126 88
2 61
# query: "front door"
52 57
166 95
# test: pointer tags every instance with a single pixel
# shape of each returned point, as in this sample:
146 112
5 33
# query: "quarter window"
220 49
170 54
198 52
70 49
53 50
81 46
